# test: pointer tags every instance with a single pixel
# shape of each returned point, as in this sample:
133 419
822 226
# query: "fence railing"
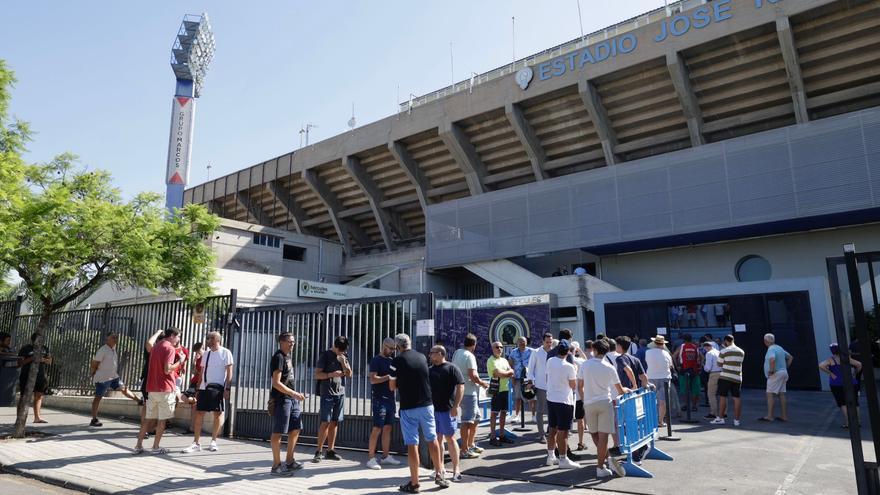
72 337
8 311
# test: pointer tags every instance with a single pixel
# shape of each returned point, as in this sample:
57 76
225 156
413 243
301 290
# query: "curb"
70 485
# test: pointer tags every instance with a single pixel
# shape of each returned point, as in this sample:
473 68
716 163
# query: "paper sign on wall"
661 330
424 328
739 327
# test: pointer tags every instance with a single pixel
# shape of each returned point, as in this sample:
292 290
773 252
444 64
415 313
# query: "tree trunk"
27 395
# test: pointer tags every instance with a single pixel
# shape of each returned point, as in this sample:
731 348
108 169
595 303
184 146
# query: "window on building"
753 268
294 253
267 240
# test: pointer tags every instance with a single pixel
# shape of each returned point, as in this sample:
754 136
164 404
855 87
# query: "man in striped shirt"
730 359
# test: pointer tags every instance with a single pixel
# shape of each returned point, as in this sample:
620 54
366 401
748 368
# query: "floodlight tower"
191 54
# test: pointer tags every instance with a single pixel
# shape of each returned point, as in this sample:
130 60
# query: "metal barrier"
636 414
315 325
73 337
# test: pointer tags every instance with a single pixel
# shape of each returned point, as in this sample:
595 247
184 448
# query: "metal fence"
8 311
315 325
72 337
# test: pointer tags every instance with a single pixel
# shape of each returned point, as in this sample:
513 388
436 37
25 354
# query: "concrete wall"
121 408
790 256
407 279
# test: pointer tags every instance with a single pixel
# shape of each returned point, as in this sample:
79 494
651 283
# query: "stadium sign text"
671 27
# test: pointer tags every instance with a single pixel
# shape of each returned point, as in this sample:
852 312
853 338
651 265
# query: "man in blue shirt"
519 360
384 407
776 364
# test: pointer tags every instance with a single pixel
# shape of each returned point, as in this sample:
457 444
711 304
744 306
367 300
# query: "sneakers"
294 466
318 456
566 463
332 456
440 481
717 421
192 448
456 477
603 472
478 450
617 467
213 447
494 442
735 422
468 454
160 451
137 450
373 463
513 418
551 460
389 461
409 488
709 416
281 470
95 422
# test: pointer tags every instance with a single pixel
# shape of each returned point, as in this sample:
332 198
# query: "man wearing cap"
561 384
659 373
713 371
105 375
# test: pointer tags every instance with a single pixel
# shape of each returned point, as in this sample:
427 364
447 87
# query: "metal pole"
668 418
861 328
580 20
855 434
231 334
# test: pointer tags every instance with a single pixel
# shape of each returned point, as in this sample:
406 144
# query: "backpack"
690 356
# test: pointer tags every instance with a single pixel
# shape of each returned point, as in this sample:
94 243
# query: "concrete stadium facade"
680 153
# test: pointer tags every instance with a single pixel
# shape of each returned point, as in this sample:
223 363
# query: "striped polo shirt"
730 359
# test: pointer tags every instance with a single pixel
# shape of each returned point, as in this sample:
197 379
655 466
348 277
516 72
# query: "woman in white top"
659 372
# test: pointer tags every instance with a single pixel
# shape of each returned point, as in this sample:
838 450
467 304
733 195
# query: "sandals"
580 447
409 488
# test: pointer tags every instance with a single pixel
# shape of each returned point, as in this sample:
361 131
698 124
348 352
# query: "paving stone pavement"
99 460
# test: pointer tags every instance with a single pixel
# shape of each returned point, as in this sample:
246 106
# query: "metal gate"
315 325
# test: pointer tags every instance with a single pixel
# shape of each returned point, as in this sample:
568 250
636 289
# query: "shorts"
40 386
411 420
559 415
287 418
692 381
600 417
210 400
469 412
839 394
659 384
160 405
776 382
446 424
331 408
383 412
101 388
579 410
726 387
500 401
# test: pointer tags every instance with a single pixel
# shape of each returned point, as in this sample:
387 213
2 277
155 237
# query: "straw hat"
660 340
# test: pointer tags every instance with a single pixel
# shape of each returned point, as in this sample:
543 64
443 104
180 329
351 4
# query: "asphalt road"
19 485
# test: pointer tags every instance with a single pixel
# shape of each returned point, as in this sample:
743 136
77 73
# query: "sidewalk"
99 460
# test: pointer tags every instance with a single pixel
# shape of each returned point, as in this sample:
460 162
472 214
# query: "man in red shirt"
161 399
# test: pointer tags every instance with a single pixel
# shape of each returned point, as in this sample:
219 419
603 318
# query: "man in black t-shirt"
330 371
409 374
287 402
447 391
25 358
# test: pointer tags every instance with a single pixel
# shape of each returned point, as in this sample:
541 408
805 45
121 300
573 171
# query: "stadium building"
700 166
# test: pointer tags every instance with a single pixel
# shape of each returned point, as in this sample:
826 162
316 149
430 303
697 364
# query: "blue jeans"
101 388
383 412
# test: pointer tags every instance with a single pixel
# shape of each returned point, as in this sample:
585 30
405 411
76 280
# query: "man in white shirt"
213 391
713 369
659 373
561 383
105 375
536 373
598 383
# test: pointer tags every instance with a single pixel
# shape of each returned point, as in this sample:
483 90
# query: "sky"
94 76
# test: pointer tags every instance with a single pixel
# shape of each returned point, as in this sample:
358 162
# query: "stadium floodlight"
191 54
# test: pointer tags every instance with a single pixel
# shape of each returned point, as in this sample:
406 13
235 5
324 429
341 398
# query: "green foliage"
66 230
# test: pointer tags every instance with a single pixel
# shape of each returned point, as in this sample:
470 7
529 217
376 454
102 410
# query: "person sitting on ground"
105 375
599 383
833 368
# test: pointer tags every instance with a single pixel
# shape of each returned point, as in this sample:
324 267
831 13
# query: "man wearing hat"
713 370
659 372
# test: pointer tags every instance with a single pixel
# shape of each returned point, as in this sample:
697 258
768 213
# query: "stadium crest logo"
524 77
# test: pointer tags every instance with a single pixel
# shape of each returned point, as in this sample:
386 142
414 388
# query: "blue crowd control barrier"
637 426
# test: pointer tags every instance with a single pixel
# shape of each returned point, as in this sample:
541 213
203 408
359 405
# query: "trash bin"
8 380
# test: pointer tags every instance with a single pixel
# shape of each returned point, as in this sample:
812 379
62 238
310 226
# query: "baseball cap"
563 345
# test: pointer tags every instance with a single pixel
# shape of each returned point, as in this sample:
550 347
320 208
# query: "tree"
66 231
